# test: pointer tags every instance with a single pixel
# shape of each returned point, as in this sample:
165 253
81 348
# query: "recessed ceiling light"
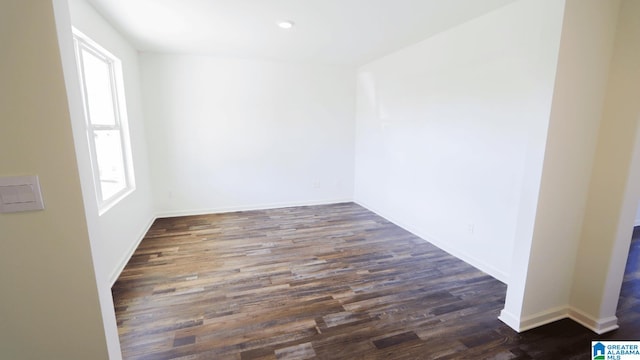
285 24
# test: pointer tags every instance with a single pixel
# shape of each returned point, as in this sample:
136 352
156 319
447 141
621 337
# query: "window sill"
108 205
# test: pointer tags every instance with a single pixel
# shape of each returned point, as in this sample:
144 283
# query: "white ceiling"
350 32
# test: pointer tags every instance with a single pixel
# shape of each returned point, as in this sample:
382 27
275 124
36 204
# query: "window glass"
110 162
97 80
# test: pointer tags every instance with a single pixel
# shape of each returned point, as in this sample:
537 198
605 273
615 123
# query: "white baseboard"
443 245
598 326
542 318
125 259
219 210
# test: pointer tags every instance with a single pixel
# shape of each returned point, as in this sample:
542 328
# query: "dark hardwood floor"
325 282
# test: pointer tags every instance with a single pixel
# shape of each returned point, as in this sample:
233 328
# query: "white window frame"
83 42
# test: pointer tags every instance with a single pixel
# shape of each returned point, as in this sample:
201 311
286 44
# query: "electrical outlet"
471 228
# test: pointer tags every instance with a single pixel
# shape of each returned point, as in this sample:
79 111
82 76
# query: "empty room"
330 179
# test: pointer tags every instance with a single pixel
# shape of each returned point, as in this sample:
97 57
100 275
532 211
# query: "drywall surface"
50 307
614 190
228 134
121 227
588 32
451 131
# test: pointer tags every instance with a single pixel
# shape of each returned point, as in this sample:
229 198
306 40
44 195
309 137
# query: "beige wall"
612 198
49 307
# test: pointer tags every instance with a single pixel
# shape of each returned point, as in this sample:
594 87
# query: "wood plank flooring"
323 282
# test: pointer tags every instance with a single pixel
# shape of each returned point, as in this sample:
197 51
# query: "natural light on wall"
104 105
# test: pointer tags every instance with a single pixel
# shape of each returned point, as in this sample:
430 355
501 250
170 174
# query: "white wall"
122 227
588 32
50 307
227 134
448 128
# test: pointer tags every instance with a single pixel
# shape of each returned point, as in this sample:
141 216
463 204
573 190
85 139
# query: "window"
106 119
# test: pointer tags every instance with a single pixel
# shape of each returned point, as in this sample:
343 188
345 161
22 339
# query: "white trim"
598 326
443 245
115 200
127 256
543 318
220 210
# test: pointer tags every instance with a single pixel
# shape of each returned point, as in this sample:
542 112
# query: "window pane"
97 79
110 162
